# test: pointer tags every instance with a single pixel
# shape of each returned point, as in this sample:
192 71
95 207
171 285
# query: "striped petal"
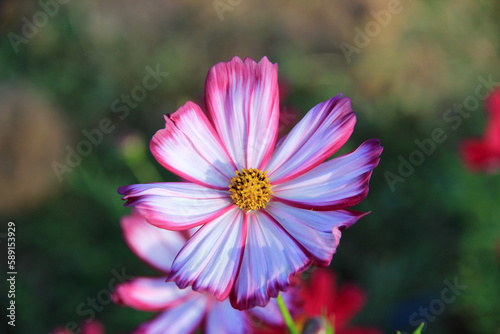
271 257
155 246
209 260
224 319
176 205
243 103
190 148
182 319
317 231
150 294
316 137
336 184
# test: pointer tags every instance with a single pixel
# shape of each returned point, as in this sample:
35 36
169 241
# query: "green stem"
286 315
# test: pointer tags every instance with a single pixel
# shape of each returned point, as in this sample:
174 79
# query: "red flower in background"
92 327
483 154
321 297
288 114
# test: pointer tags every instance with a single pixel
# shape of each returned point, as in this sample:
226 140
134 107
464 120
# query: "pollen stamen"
250 189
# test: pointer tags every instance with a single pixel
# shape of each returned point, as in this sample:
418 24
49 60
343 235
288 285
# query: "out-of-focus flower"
288 117
288 114
182 311
266 210
323 305
322 298
316 325
91 327
483 154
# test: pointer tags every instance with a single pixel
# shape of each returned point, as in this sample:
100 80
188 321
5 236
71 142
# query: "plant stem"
286 315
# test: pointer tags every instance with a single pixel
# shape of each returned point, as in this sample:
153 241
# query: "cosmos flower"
266 210
483 154
322 298
181 311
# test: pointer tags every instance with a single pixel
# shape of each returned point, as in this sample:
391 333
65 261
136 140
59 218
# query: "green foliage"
418 330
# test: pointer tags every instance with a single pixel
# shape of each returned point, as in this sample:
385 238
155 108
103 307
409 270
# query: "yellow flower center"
250 189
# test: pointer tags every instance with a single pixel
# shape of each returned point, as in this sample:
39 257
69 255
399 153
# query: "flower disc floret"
250 189
248 247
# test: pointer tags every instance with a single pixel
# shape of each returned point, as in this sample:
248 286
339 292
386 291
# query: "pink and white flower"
181 311
265 210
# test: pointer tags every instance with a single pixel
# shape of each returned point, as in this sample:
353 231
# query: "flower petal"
190 148
150 294
155 246
317 231
316 137
336 184
478 154
223 318
182 319
320 294
93 327
176 205
243 103
271 316
271 257
209 260
349 302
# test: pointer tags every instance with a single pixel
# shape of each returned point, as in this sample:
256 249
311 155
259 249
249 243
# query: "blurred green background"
67 72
